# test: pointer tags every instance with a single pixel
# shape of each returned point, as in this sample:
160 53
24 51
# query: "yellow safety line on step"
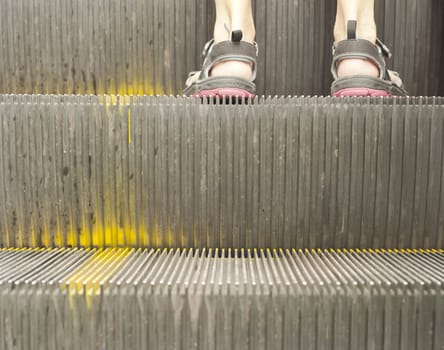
87 279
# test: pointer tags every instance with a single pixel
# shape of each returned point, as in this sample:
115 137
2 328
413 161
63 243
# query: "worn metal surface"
183 299
148 46
175 172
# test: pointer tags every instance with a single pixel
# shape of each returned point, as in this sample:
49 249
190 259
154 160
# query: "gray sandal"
357 85
200 84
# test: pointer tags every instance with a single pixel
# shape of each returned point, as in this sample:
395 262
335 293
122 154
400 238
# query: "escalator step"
221 299
166 172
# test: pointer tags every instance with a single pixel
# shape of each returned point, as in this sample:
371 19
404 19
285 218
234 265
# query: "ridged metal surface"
149 46
184 299
178 173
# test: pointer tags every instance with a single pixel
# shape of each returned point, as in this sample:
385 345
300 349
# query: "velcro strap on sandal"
361 49
230 51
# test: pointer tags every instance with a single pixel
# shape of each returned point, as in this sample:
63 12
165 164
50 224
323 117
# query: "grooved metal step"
221 299
302 172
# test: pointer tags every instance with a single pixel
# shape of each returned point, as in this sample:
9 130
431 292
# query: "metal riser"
159 299
173 172
149 46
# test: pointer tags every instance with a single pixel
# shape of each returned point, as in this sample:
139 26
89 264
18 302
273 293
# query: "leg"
363 12
228 67
360 10
233 15
366 75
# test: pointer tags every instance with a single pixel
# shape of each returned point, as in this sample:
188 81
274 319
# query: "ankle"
223 29
365 30
248 30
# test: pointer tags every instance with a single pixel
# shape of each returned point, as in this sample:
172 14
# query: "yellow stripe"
86 279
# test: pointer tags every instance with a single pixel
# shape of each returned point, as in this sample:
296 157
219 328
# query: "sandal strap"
353 47
230 50
361 49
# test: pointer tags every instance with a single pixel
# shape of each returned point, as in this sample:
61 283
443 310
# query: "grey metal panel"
149 46
221 299
175 172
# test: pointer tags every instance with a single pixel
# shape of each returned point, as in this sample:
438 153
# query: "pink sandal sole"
361 92
225 92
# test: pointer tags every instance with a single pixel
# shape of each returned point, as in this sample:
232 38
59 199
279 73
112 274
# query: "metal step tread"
221 299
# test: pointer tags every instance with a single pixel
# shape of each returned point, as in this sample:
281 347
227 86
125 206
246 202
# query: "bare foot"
352 67
233 69
236 69
355 66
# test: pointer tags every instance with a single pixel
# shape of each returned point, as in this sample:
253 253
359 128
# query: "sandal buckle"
333 49
256 46
383 48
